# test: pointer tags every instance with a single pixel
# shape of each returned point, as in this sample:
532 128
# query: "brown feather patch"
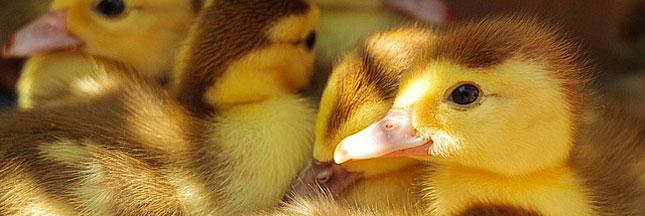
497 210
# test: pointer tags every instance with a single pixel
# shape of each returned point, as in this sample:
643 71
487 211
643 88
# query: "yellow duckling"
244 74
230 144
143 33
495 105
361 89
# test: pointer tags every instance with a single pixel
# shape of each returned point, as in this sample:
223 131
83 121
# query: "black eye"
110 8
310 40
465 94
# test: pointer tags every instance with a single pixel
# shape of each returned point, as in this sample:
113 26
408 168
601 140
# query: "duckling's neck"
243 86
263 146
394 188
554 190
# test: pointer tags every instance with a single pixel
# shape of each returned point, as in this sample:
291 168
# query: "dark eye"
464 94
310 40
110 8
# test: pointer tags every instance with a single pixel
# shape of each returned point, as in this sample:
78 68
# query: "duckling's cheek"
279 56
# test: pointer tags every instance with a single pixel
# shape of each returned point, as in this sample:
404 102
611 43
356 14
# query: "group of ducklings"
490 117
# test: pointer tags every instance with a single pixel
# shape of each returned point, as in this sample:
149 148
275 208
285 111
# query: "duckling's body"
496 106
135 149
82 158
266 144
145 34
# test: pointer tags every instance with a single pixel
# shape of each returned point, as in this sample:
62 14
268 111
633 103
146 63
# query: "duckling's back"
609 155
106 156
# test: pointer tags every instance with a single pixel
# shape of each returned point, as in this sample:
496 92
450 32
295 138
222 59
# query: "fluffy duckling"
231 143
361 89
243 70
143 33
495 105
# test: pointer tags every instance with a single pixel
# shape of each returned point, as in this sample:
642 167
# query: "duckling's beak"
325 177
46 34
393 135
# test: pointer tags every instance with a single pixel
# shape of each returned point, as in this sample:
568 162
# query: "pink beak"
393 135
435 12
46 34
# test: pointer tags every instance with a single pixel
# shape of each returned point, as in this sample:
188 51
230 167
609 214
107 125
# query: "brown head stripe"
475 46
225 31
373 79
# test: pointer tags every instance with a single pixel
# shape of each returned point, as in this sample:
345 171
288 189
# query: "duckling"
361 89
227 140
143 33
495 105
244 75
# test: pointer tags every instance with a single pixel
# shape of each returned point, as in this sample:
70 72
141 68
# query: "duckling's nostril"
324 176
340 154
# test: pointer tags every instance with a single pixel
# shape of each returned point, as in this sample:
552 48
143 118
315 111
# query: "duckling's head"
245 51
142 33
499 95
361 89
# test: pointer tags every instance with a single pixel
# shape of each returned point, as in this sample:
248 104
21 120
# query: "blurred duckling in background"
230 143
496 105
361 90
143 33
